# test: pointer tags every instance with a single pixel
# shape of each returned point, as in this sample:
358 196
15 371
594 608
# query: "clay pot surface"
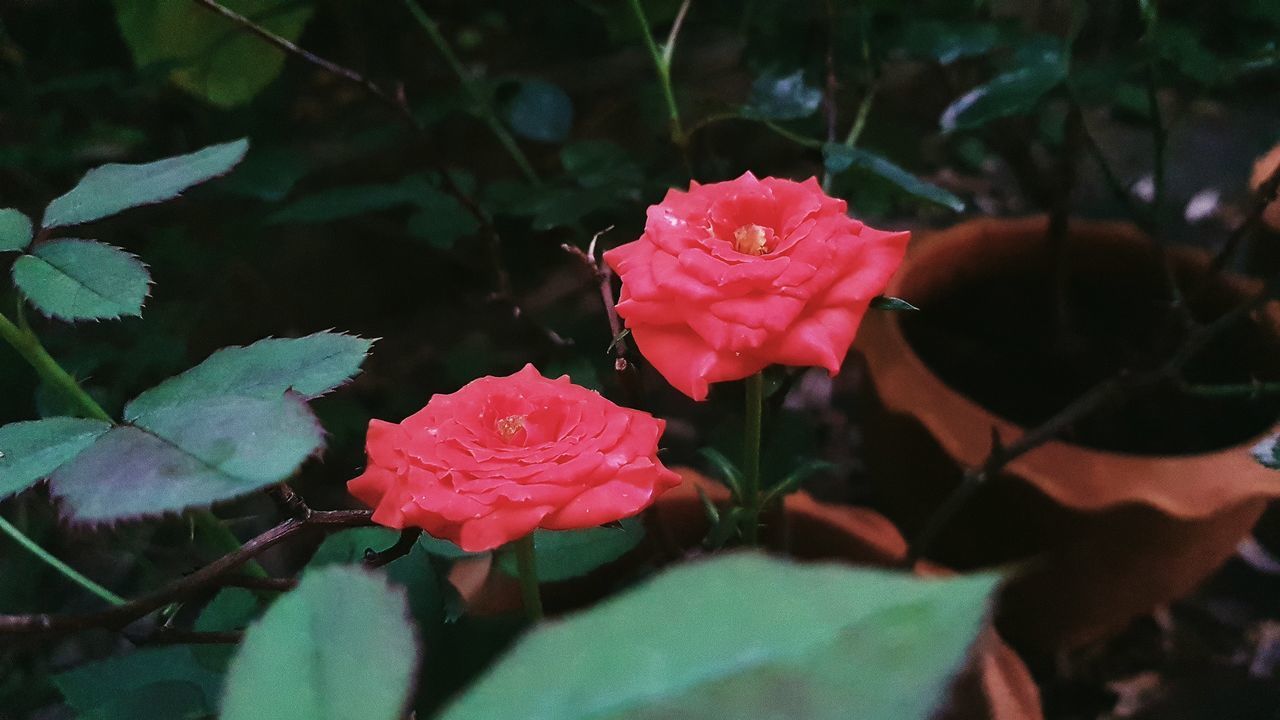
1113 534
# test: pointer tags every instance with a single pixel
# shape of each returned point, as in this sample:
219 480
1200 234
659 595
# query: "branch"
1265 195
628 377
1101 394
119 616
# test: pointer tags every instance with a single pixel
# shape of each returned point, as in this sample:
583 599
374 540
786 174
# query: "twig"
628 377
833 83
1249 390
1265 195
178 636
121 615
1104 392
396 101
478 98
404 543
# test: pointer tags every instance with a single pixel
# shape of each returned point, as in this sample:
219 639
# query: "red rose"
504 455
731 277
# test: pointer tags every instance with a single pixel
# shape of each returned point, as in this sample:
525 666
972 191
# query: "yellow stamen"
509 426
750 239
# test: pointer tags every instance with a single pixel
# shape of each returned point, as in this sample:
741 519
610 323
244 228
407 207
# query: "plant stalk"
527 568
66 570
662 64
751 461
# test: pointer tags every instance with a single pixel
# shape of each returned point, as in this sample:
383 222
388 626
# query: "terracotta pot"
995 685
1113 534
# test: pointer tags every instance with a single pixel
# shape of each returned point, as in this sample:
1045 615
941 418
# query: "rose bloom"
505 455
735 276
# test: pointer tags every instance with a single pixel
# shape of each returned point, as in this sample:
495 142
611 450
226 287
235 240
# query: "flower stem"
211 531
29 347
662 63
527 566
483 107
751 460
67 571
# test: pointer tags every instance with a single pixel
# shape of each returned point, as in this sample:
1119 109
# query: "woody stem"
527 567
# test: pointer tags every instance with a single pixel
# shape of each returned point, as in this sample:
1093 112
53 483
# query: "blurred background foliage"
551 116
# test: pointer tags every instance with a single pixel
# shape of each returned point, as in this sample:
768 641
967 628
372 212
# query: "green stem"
751 461
527 567
29 347
53 562
214 534
662 63
482 104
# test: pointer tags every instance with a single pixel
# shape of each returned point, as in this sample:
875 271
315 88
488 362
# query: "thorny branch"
211 575
396 101
628 376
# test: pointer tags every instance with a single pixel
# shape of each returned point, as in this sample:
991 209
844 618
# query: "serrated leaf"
15 230
82 280
309 366
208 55
540 111
839 158
193 454
892 304
29 451
566 554
1010 93
166 677
744 635
782 97
107 190
339 647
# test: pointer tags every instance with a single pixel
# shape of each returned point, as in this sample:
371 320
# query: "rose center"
510 425
751 240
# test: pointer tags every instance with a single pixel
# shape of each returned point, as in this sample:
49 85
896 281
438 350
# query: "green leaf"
167 677
209 55
1182 47
347 201
892 304
728 472
950 41
839 158
195 453
1011 93
15 230
600 163
743 635
414 572
566 554
339 647
29 451
540 111
441 220
82 280
794 479
1267 452
782 97
231 609
107 190
309 366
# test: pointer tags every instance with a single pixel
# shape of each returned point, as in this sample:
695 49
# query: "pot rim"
1184 486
